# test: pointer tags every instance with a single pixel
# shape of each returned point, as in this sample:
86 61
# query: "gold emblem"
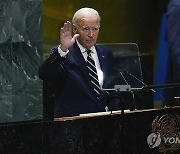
168 127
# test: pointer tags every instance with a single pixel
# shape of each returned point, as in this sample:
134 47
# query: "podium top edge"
109 113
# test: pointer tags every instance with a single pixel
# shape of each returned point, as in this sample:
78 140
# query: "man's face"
88 30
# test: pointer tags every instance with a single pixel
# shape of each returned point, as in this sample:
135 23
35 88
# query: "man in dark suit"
173 36
80 67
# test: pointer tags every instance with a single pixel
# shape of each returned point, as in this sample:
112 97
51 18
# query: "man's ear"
74 29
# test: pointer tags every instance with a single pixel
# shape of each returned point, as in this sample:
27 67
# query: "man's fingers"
61 31
74 37
67 26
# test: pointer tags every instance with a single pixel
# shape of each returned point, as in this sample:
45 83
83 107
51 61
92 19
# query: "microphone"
164 101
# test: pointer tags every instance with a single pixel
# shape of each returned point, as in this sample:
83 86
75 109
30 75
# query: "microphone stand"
122 89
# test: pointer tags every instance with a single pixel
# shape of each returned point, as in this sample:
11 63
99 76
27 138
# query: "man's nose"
90 33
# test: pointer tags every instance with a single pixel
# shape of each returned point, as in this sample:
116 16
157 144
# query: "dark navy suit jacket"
74 92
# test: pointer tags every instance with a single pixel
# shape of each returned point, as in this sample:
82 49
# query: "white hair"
82 12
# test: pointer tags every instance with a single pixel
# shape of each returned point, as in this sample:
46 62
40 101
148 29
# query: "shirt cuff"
62 53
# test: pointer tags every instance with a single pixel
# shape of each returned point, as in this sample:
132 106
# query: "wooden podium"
106 133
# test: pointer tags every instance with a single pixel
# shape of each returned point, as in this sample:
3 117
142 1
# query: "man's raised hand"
66 39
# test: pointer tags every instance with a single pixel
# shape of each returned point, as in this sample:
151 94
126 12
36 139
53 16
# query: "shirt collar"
83 49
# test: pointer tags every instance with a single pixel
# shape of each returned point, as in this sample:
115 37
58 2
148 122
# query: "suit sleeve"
53 67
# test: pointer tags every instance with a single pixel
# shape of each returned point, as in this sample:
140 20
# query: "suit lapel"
101 57
80 60
102 61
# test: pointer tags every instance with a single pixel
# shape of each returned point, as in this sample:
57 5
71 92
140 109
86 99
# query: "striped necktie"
93 73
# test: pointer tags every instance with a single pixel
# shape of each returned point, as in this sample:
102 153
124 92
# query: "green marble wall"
20 57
